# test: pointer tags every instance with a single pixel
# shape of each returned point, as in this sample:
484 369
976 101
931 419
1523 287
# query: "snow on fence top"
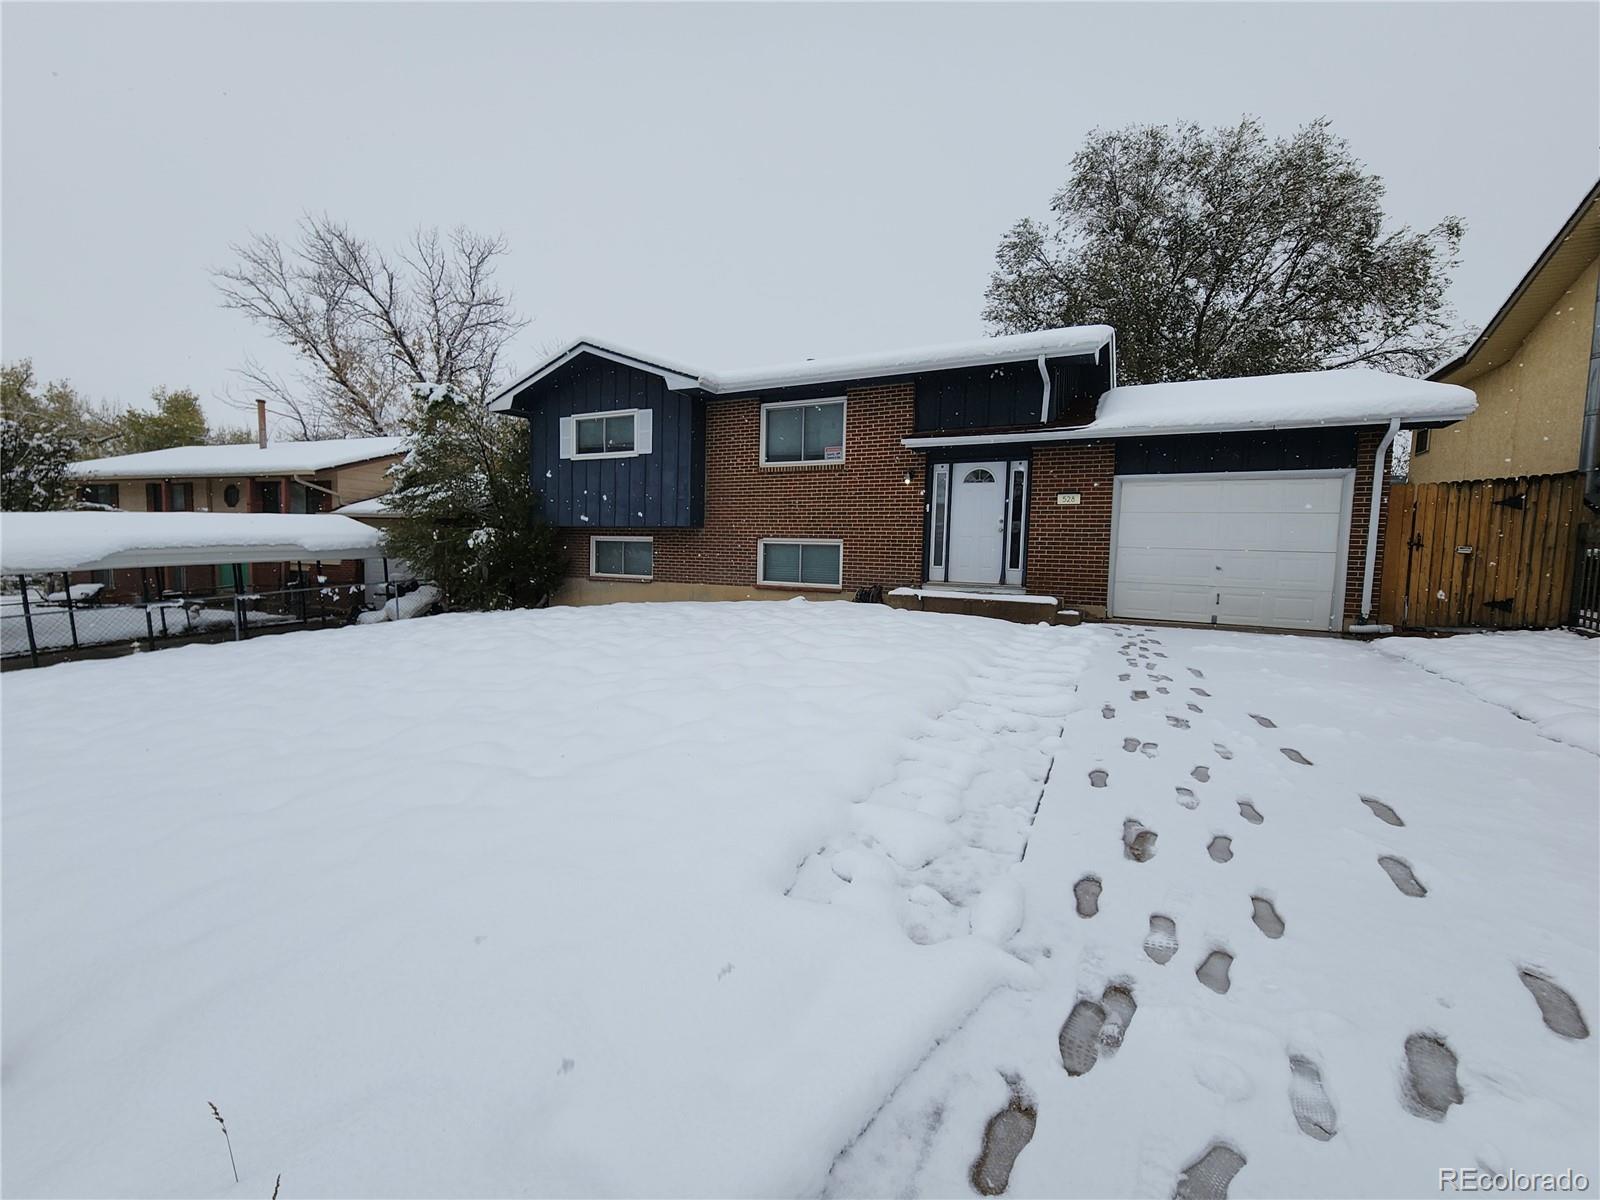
1016 347
31 543
1356 396
279 458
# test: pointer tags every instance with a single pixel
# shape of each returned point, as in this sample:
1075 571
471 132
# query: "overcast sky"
726 185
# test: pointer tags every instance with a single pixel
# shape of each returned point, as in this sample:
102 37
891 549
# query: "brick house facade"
711 500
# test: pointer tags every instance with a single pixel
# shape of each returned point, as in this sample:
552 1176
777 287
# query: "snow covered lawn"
1550 677
754 900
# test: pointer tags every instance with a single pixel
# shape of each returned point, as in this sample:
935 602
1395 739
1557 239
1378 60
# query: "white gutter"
1096 431
1374 514
1044 405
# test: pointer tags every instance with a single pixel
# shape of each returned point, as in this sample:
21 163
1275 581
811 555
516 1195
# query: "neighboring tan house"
1009 475
1536 373
282 477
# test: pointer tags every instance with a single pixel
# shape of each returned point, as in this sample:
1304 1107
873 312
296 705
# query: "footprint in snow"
1163 691
1187 798
1208 1177
1401 875
1266 917
1079 1040
1098 777
1213 971
1119 1006
1108 712
1086 895
1264 722
1195 708
1138 695
1161 943
1131 745
1308 1100
727 969
1429 1084
1149 749
1382 811
1220 849
1201 692
1295 756
1138 843
1124 677
1178 722
1005 1136
1248 811
1222 751
1197 674
1556 1005
1202 773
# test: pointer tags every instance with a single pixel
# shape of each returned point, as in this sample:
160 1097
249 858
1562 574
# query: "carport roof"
31 543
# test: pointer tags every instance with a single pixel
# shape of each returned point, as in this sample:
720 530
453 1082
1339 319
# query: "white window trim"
577 456
761 564
844 432
597 574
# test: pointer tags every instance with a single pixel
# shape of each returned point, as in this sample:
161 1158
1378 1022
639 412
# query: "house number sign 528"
1069 497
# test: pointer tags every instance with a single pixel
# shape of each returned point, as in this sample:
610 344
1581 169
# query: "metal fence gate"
1490 553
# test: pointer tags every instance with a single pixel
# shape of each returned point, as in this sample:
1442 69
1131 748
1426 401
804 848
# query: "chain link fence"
44 618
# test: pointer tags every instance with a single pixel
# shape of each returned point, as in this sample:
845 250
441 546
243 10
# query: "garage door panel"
1244 551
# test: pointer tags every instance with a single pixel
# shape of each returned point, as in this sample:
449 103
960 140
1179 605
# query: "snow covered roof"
278 458
377 506
1018 347
1356 396
92 541
1303 400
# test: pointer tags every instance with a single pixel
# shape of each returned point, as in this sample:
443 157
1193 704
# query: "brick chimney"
261 423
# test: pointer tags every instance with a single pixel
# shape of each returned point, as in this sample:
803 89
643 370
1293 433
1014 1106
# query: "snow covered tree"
369 327
33 467
1219 253
467 517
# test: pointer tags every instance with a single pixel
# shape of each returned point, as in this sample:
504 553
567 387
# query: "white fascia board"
677 379
1085 433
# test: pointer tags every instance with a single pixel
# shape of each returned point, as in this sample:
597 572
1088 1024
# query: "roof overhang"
1562 261
676 378
1075 342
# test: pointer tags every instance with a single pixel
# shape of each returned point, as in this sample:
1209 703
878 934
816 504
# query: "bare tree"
369 327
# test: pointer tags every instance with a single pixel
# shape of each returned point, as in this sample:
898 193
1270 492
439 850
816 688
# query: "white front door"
1242 550
977 522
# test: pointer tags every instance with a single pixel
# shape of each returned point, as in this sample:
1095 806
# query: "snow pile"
530 935
1549 677
278 458
1355 396
63 541
413 604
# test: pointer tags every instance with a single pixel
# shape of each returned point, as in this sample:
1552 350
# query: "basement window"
622 558
1420 441
800 564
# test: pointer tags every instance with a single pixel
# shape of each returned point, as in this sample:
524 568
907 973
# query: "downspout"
1044 405
1374 516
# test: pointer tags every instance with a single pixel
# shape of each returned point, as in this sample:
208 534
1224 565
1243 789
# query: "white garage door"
1239 550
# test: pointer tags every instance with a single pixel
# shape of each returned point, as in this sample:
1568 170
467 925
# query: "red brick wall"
1360 510
862 501
1069 546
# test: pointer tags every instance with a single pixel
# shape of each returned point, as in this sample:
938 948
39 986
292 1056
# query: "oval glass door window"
979 475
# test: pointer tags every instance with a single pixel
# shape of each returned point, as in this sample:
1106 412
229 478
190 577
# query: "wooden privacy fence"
1492 553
